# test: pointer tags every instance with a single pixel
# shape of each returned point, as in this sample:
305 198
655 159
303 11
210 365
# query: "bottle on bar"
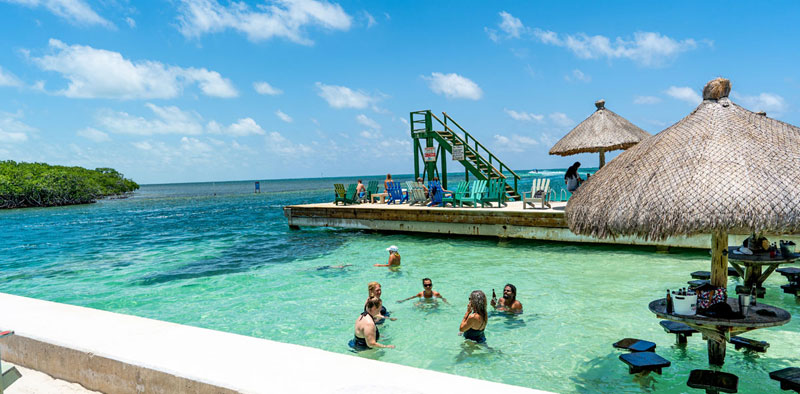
753 295
669 303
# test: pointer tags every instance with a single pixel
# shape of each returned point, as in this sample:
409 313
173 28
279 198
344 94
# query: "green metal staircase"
478 160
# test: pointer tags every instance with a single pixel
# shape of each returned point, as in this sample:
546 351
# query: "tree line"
42 185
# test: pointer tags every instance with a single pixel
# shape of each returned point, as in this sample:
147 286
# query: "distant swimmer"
509 302
366 334
427 293
394 257
474 321
329 267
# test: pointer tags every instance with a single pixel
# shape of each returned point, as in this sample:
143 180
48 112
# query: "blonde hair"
371 286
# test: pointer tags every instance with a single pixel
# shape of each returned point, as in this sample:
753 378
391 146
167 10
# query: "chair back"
435 191
339 190
372 188
351 191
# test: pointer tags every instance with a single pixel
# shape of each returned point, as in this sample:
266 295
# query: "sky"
214 90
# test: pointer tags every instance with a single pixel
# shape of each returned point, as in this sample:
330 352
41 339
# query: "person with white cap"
394 257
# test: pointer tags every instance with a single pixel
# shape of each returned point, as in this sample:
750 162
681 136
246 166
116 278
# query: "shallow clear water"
215 255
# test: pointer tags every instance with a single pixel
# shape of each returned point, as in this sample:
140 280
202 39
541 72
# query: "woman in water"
474 321
374 289
571 178
366 332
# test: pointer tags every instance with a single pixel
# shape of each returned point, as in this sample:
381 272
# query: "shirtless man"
428 293
394 258
509 301
361 190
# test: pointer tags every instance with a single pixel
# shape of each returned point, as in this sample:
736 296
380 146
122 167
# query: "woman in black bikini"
366 332
474 321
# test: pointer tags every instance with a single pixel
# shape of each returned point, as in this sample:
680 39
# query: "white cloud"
561 119
454 86
524 116
370 19
98 73
195 146
646 100
578 75
93 135
284 117
275 142
244 127
13 130
130 22
685 94
366 121
516 143
768 102
285 18
8 79
74 11
344 97
511 25
649 49
266 89
168 120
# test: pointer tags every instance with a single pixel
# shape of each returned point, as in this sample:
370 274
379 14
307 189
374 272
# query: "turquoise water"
216 255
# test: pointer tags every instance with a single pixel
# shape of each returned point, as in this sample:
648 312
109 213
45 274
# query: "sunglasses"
427 285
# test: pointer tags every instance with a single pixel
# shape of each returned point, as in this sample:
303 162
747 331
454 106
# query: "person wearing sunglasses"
427 293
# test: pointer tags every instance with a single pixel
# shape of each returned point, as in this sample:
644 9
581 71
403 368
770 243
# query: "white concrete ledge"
117 353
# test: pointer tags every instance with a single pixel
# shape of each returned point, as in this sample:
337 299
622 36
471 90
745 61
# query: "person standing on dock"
361 190
394 257
428 293
509 302
571 178
386 182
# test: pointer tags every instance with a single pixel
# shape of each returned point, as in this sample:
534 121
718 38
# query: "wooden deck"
511 221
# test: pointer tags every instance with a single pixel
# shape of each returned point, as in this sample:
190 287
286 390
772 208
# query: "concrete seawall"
116 353
510 222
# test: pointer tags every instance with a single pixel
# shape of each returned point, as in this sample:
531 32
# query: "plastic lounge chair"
540 192
451 198
396 194
372 189
339 193
476 191
9 374
496 193
436 192
351 195
416 193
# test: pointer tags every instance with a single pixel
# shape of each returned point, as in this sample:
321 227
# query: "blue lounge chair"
396 195
436 193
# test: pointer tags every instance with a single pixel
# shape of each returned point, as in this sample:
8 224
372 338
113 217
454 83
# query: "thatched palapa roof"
602 131
721 168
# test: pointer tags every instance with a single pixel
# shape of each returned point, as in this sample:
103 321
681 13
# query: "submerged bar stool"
713 381
681 331
789 378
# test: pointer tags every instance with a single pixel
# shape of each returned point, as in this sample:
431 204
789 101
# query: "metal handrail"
477 143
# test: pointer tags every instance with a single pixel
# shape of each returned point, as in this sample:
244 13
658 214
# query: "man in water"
509 302
394 258
427 293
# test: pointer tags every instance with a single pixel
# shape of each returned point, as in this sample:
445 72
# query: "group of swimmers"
472 324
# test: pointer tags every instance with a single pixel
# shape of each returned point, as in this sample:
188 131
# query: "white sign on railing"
430 153
458 152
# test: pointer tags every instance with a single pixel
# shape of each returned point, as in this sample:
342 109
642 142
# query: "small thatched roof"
721 168
602 131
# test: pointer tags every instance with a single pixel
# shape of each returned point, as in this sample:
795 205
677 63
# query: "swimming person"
474 321
374 290
571 178
427 293
509 302
394 257
366 334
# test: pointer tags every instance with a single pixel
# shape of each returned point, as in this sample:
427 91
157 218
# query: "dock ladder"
477 160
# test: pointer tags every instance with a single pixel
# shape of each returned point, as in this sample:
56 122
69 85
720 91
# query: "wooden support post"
719 259
716 352
602 159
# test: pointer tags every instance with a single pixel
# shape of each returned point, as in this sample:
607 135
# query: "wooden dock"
507 222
